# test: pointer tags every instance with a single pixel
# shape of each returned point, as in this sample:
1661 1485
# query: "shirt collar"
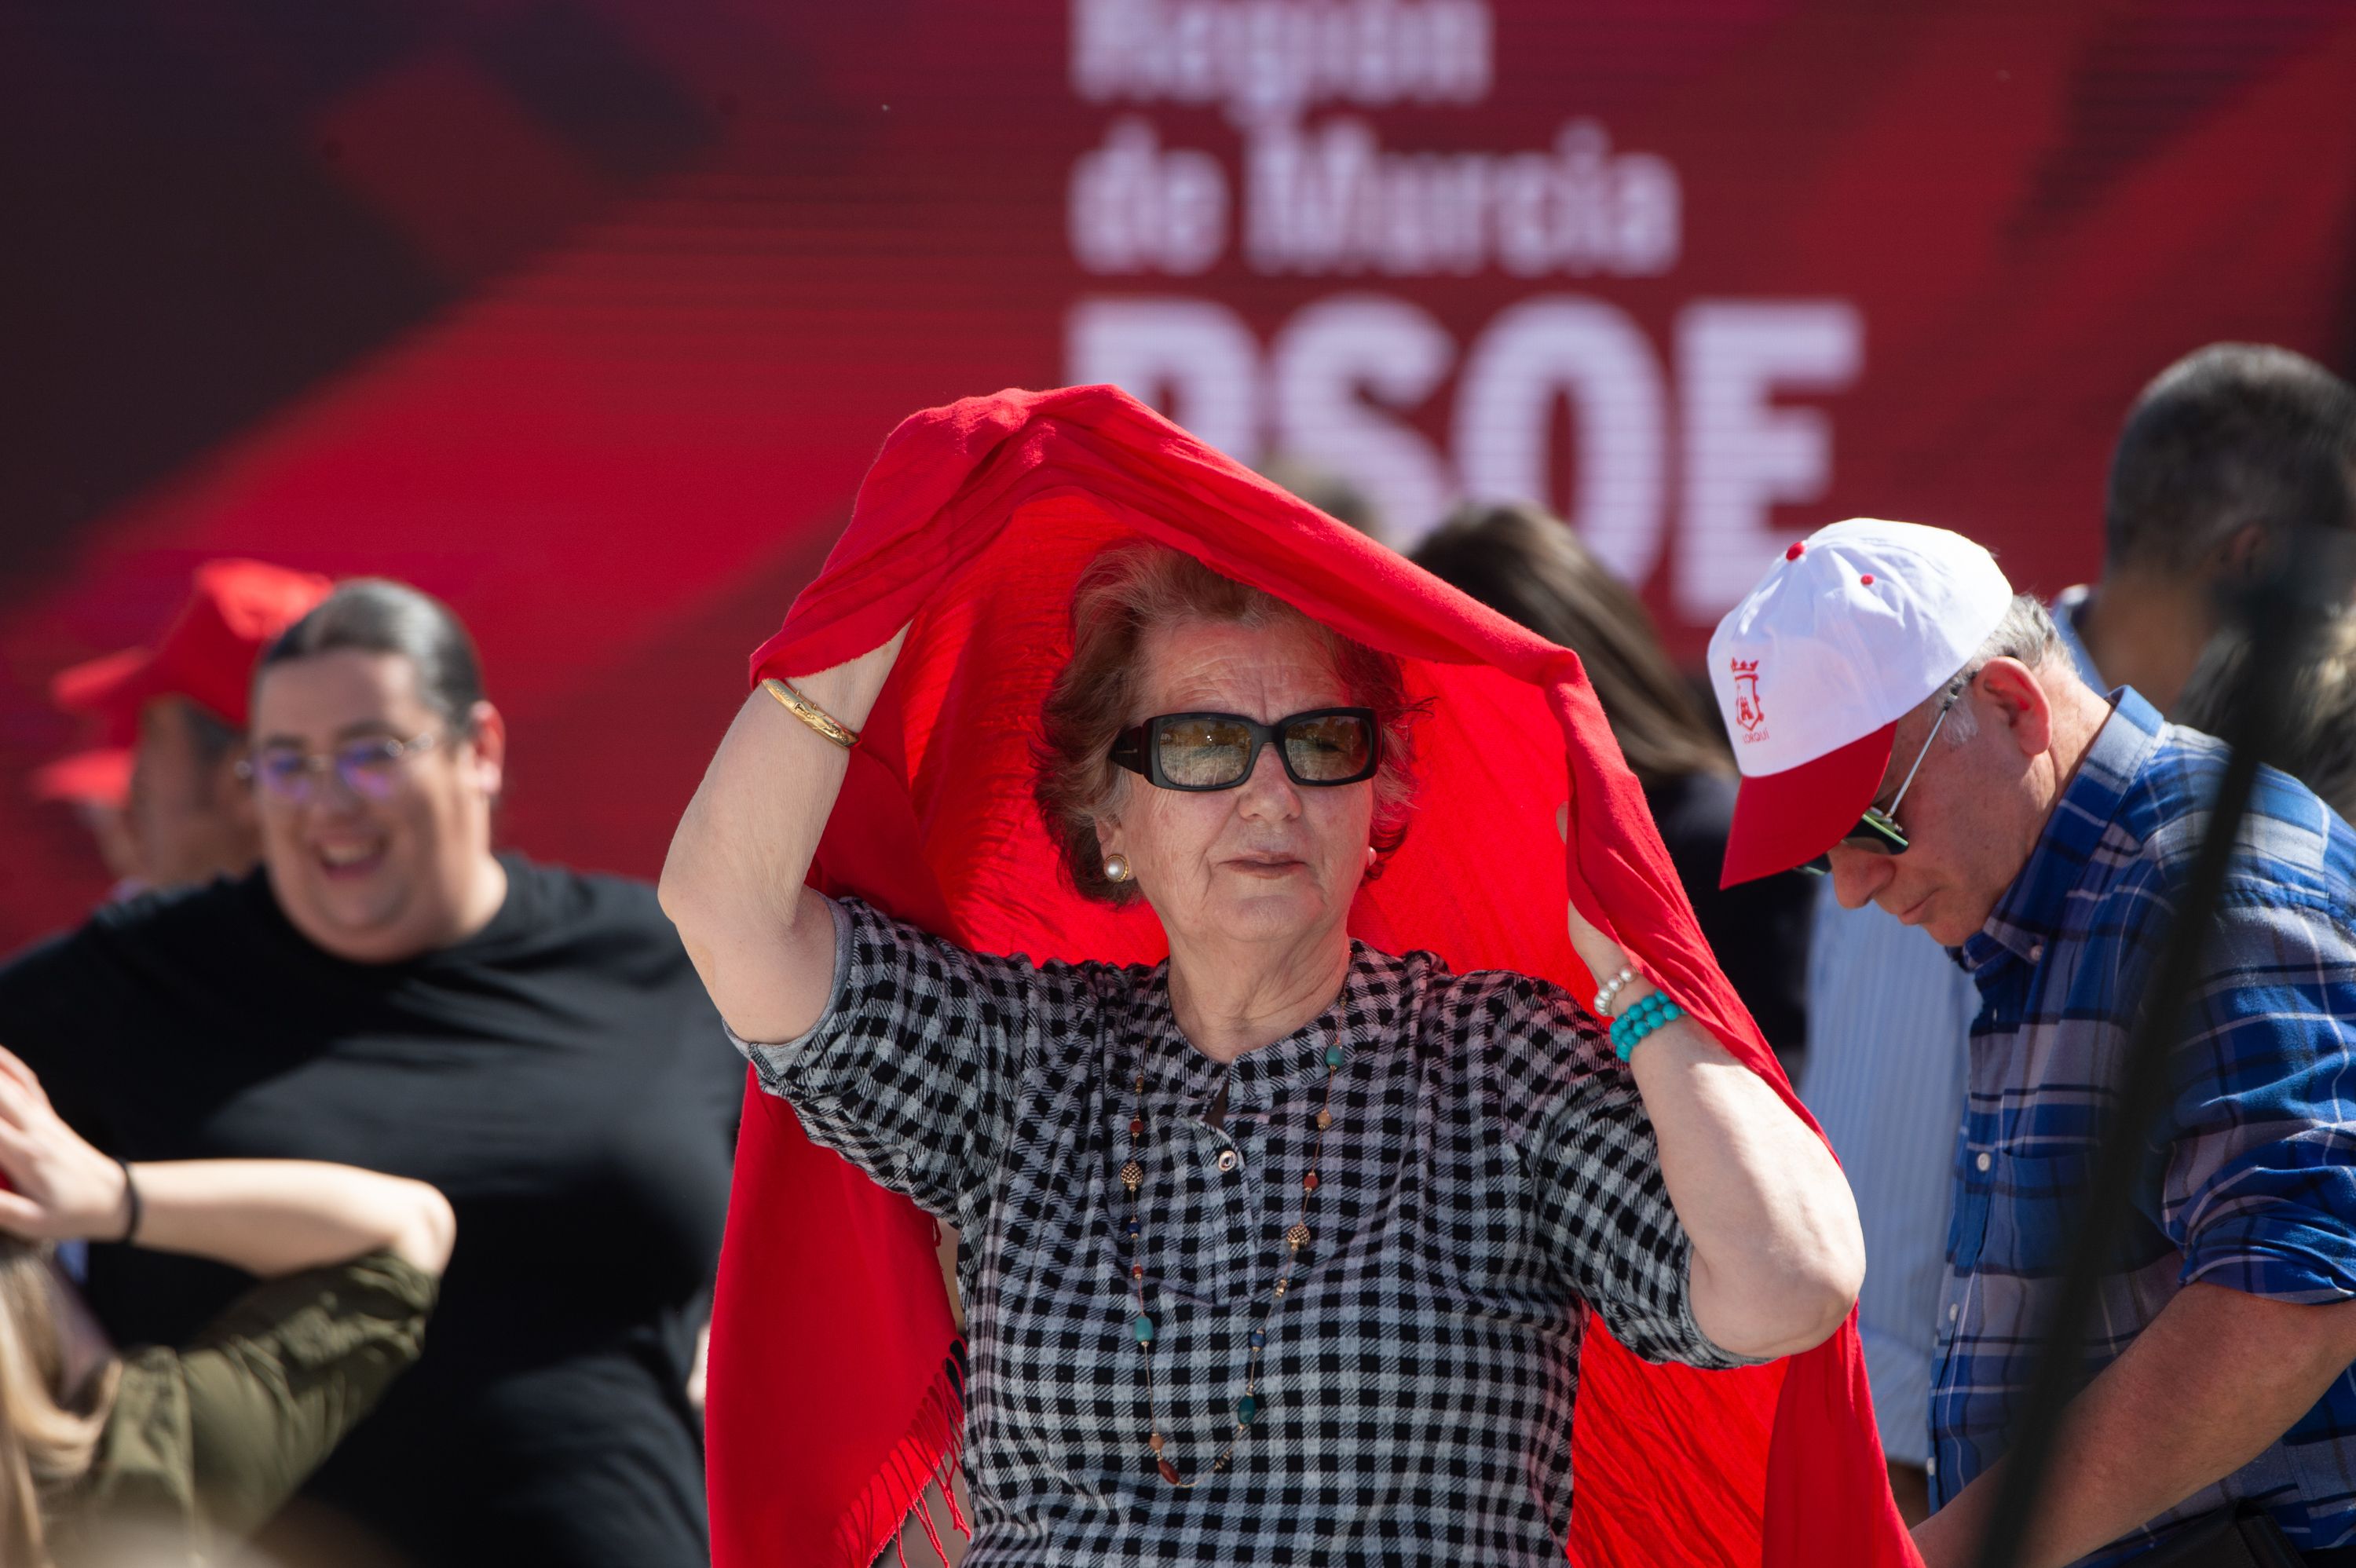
2068 605
2030 912
1299 1058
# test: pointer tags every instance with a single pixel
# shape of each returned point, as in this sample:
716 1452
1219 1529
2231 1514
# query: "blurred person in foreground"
163 1454
389 992
2199 480
1528 565
1916 726
1243 1114
181 707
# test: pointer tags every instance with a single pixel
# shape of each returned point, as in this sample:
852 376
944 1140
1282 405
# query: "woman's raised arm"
1778 1254
733 880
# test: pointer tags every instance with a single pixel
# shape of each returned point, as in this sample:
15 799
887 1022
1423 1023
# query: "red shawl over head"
830 1406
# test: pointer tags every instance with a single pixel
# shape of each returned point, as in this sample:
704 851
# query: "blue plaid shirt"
2252 1183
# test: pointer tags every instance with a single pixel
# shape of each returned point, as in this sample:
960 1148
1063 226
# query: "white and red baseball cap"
1853 627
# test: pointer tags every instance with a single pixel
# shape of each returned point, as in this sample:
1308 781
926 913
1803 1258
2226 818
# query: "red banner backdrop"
588 315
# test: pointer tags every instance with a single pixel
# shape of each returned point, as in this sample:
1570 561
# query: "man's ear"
232 795
2010 692
2243 554
490 743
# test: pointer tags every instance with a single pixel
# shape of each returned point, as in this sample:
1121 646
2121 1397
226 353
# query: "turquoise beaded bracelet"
1631 1027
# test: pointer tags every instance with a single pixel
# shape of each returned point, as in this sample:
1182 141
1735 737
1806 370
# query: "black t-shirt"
1757 929
561 1075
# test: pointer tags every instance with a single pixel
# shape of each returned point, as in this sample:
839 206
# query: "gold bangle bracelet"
811 713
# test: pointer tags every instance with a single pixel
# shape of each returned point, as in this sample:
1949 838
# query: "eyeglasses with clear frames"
371 769
1876 832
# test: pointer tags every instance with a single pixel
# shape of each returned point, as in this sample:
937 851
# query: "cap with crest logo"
1852 628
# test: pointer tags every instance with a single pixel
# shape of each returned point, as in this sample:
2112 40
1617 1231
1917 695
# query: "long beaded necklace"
1132 1176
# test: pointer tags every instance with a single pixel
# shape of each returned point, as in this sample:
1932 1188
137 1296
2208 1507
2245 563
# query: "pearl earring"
1372 856
1115 869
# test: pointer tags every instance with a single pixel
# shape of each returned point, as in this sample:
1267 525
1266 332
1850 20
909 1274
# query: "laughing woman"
1276 1249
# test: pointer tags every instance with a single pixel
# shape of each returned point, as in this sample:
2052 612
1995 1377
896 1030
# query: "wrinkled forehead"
328 696
1263 669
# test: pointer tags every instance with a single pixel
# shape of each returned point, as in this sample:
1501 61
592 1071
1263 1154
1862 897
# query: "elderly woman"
1275 1251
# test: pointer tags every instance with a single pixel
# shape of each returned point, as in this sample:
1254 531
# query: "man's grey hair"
2027 633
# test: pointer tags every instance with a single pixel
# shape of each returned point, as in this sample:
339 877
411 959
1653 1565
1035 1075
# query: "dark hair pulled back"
378 615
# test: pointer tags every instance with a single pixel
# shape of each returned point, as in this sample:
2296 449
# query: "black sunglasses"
1323 747
1877 831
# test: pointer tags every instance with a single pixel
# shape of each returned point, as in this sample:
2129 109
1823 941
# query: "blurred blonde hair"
2318 744
51 1432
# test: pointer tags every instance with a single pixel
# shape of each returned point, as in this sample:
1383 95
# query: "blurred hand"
64 1188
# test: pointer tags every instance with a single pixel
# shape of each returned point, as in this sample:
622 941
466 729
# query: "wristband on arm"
1630 1029
130 1202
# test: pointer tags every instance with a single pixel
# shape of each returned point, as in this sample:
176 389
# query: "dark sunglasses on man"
1323 747
1876 832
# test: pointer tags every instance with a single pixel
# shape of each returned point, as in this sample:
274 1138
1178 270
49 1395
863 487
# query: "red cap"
1787 819
101 777
208 653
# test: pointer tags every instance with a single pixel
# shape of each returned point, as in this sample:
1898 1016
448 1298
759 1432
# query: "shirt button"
1930 1465
1952 1309
1982 1162
1229 1159
2037 953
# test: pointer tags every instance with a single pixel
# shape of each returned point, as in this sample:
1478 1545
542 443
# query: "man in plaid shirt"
2046 829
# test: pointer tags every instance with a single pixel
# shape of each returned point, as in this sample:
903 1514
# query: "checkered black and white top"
1490 1169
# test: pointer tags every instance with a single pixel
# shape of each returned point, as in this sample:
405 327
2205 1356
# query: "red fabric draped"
826 1393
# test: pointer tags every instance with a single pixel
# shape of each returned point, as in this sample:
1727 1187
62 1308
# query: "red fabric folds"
828 1332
